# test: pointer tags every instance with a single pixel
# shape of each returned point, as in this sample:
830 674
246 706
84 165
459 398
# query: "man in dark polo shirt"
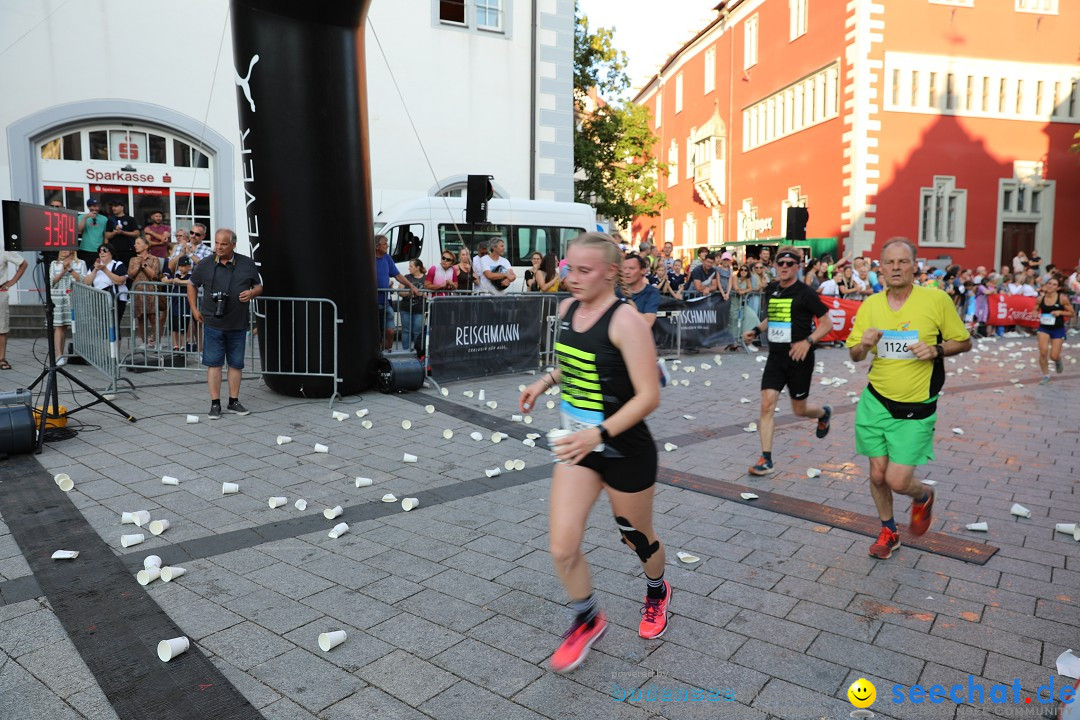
229 282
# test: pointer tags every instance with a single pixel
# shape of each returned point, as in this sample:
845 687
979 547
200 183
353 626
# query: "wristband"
940 351
604 436
757 331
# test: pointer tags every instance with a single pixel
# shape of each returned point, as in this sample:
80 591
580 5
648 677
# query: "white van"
425 227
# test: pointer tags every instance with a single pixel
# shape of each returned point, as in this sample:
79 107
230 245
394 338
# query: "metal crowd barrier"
95 330
162 332
299 336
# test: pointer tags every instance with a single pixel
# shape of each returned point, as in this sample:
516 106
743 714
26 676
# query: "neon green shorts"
878 434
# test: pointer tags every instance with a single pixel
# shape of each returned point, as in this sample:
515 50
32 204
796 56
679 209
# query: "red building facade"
945 121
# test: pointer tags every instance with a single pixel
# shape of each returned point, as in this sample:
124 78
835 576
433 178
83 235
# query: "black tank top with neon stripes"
595 382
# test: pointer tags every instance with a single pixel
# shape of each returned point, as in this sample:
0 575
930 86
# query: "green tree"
613 145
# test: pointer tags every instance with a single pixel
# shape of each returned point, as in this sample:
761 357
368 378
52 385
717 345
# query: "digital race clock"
39 227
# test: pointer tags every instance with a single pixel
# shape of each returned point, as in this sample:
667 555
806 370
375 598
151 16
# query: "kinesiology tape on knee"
636 539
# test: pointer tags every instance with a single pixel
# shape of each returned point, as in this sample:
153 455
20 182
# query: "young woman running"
607 371
1054 308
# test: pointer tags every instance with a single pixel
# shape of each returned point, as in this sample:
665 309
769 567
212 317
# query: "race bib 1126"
894 344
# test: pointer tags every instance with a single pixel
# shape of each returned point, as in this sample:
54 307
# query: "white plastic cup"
170 573
447 433
64 481
509 464
361 412
340 416
277 501
480 396
363 482
133 539
331 513
151 561
159 526
192 419
1020 511
429 409
140 517
366 424
517 418
552 438
127 518
978 527
283 439
409 458
476 436
169 480
339 530
519 464
528 442
493 472
168 649
229 488
389 498
406 424
409 503
300 504
1067 528
148 575
330 640
320 448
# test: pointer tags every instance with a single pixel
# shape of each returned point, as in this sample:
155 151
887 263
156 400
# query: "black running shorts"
781 370
626 474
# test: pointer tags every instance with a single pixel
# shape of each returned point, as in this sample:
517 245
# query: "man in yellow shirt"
909 330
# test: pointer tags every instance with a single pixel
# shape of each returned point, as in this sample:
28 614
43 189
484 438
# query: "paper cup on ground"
509 464
409 458
444 392
159 526
168 574
140 517
476 436
229 488
331 513
65 555
389 498
168 480
492 472
283 439
151 561
63 479
550 404
1020 511
277 501
192 419
670 447
480 396
748 496
429 409
447 433
339 530
528 442
361 412
363 482
409 503
300 505
340 416
687 557
519 464
978 527
148 575
127 518
492 404
168 649
496 437
320 448
1067 528
406 425
330 640
517 418
812 472
133 539
366 424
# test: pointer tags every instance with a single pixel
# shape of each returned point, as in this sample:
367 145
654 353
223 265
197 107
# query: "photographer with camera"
229 283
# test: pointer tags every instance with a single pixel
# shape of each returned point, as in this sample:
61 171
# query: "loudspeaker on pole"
797 218
479 192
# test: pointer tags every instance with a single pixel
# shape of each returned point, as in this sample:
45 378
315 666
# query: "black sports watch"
604 436
940 350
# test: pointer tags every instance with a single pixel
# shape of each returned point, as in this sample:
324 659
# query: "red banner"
1013 310
842 313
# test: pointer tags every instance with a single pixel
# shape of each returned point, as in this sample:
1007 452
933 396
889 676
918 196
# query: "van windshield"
521 240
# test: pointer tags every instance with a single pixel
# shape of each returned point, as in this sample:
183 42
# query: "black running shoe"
823 422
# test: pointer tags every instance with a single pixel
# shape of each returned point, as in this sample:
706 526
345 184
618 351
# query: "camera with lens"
219 303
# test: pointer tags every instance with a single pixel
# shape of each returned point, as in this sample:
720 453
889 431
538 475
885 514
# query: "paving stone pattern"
453 608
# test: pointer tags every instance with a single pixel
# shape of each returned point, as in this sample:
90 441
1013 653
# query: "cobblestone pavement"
452 609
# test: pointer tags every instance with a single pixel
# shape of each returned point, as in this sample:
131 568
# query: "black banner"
705 322
477 336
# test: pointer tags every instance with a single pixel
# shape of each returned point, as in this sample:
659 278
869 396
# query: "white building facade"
135 100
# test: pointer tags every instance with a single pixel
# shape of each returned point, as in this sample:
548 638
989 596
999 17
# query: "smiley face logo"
862 693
